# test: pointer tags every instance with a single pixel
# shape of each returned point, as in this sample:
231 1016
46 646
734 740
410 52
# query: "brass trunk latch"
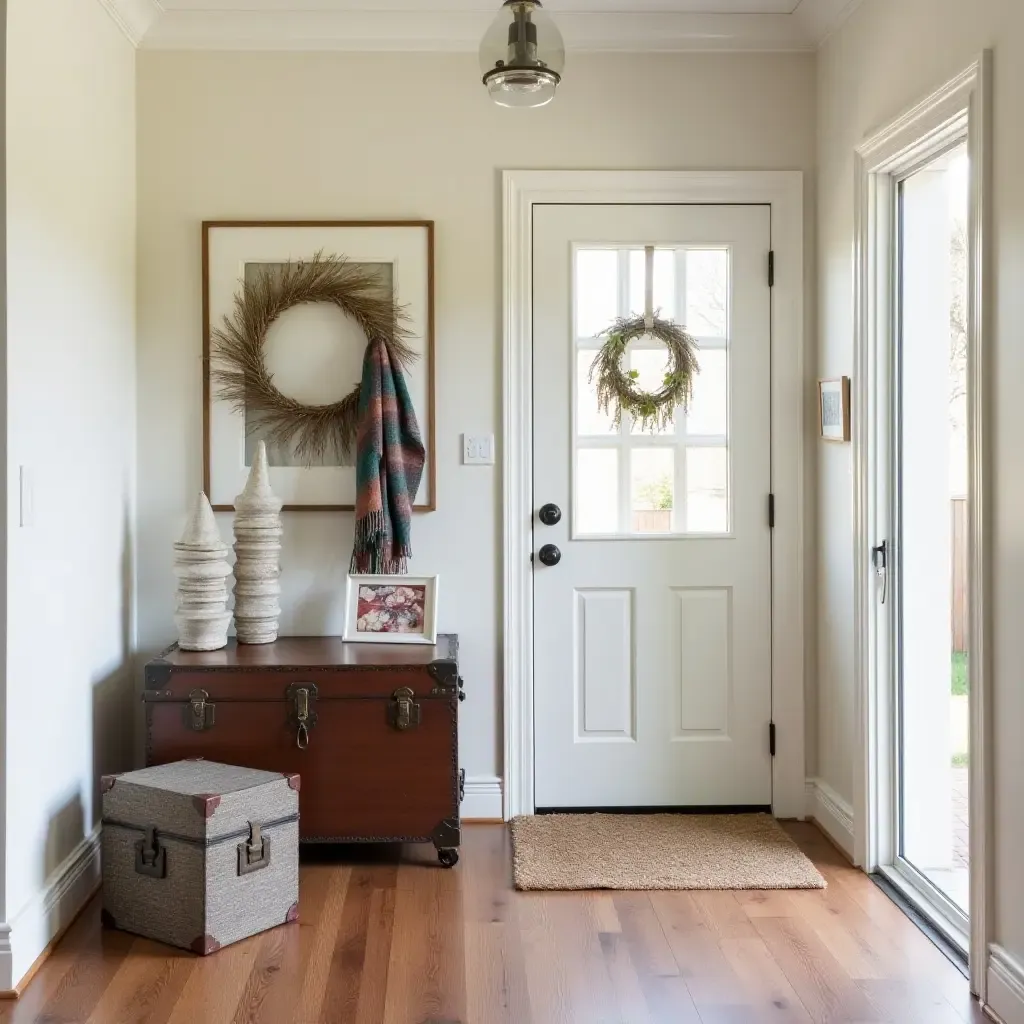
199 712
403 711
254 853
302 697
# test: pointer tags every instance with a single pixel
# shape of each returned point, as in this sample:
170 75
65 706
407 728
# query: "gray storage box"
198 854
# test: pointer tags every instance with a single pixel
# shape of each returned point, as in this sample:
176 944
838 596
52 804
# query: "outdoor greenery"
959 674
656 494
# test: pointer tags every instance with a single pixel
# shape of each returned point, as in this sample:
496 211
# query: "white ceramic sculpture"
257 556
202 569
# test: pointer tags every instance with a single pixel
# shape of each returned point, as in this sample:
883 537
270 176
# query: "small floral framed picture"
391 610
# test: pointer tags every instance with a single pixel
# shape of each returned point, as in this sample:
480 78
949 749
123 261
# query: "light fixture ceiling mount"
522 56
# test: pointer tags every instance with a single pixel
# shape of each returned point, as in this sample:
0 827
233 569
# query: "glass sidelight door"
929 554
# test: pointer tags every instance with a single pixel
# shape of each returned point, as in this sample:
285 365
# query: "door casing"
783 191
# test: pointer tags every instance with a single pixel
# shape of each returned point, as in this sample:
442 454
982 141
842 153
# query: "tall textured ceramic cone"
202 569
257 556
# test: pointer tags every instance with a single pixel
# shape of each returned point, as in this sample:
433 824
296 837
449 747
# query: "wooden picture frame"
229 247
834 410
391 588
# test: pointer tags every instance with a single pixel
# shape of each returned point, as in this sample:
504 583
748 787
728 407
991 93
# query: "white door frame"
783 191
961 109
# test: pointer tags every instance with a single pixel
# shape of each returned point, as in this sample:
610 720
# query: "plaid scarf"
389 464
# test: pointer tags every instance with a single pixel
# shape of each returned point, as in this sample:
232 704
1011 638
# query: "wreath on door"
618 390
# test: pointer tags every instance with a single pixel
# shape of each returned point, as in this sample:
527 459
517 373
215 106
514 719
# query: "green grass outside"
959 674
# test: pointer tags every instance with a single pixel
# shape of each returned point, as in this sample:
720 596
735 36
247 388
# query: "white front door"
652 658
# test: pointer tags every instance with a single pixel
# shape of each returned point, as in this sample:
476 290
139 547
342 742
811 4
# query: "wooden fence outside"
961 598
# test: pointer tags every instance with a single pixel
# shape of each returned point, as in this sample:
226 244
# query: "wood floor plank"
497 991
215 986
824 988
427 957
146 987
321 948
319 902
390 938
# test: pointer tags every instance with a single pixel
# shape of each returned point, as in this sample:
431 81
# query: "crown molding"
379 29
134 17
819 19
462 30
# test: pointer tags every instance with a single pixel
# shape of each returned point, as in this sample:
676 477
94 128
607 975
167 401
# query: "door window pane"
932 598
590 420
664 283
707 490
652 473
652 365
597 491
597 290
707 292
709 408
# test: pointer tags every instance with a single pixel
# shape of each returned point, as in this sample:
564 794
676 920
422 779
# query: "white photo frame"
377 617
834 409
324 367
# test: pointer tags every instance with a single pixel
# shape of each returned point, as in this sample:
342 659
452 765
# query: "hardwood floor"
392 942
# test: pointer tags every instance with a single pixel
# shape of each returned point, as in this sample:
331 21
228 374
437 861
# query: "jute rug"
657 851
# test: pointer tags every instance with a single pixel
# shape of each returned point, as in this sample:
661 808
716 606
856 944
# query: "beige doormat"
658 851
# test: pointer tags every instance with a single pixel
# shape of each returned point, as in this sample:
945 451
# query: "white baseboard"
482 800
832 813
49 911
1005 986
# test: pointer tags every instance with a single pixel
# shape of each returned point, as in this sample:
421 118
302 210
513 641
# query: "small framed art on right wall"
834 409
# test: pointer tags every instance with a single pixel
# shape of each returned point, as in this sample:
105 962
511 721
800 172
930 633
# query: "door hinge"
771 738
771 511
771 269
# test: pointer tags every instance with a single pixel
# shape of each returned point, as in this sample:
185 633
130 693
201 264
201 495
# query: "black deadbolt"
550 555
550 515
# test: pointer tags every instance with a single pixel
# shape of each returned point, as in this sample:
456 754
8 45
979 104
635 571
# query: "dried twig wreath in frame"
239 369
315 352
618 390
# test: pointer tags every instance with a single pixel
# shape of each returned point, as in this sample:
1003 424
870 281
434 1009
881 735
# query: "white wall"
392 136
886 58
71 418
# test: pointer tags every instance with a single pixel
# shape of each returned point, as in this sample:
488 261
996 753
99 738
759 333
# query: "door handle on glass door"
550 555
880 560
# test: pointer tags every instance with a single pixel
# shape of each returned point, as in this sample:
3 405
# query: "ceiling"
453 25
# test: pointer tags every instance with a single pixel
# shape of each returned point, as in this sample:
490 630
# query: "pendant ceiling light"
522 56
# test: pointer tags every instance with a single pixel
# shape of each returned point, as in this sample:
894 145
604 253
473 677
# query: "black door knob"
550 515
550 555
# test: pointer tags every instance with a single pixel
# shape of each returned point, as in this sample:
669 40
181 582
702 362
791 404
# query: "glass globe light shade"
522 56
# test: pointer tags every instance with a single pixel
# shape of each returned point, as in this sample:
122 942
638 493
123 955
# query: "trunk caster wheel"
448 857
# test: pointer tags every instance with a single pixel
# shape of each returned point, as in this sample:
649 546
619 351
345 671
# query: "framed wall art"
391 609
319 286
834 409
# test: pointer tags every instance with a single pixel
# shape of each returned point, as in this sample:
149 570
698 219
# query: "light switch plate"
478 449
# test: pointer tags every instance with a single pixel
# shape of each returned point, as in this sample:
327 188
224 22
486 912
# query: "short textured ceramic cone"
257 556
202 615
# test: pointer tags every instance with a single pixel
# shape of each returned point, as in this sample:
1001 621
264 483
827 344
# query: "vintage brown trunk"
372 729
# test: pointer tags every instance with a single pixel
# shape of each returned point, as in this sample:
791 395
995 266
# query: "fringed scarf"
389 465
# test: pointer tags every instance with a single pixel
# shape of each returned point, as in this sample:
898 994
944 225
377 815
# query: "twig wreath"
240 371
617 389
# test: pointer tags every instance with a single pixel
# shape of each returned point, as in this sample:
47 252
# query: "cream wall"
401 136
71 423
886 58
